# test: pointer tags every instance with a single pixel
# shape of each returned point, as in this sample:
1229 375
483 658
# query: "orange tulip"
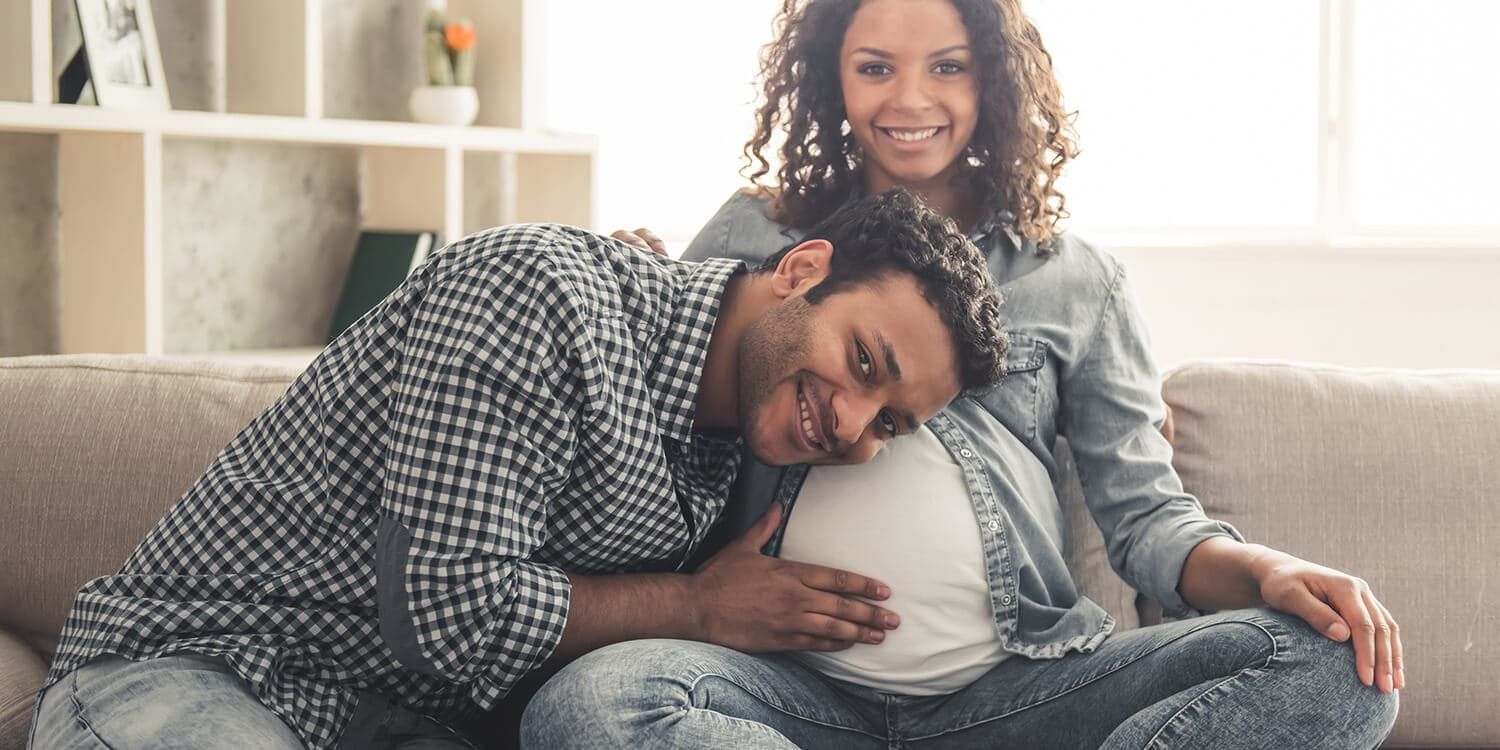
459 36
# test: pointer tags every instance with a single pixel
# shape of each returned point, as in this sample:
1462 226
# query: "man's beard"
771 349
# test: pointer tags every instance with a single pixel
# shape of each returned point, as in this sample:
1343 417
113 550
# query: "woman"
956 100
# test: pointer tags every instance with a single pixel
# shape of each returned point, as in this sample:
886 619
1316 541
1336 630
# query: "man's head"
884 314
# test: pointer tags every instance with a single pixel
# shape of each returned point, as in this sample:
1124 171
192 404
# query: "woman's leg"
686 694
1242 679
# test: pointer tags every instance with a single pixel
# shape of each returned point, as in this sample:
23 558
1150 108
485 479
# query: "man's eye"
864 359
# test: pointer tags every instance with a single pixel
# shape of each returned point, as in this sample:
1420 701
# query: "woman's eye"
888 422
949 68
864 359
874 69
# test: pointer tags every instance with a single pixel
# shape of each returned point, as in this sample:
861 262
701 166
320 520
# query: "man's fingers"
842 582
631 238
835 629
853 610
765 528
653 242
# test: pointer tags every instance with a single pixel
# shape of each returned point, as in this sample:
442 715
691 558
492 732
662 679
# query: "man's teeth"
912 135
807 425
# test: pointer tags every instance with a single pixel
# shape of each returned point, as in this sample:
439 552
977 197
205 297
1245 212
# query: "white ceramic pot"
444 105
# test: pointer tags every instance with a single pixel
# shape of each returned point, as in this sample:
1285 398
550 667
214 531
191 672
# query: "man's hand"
1339 606
642 238
753 602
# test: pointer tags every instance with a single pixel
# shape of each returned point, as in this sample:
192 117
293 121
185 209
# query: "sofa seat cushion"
1388 475
21 673
93 450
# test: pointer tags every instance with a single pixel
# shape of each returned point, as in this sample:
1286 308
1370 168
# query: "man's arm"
1221 573
741 599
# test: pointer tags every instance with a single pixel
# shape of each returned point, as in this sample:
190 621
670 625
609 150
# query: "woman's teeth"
910 136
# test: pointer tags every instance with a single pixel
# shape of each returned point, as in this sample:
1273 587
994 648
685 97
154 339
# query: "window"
1274 120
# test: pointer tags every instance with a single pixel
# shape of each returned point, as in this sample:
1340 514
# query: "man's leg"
686 694
1242 679
173 701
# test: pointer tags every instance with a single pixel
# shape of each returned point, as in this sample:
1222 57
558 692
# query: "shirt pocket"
1015 399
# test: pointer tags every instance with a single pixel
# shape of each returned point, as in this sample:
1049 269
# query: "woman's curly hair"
1020 144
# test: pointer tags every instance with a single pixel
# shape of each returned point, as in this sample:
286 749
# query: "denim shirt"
1079 367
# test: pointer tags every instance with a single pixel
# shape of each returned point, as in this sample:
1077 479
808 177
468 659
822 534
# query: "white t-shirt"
904 518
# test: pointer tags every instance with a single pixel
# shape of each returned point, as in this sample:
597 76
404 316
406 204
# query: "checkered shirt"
521 406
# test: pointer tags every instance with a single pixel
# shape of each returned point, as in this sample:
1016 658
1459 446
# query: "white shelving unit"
111 248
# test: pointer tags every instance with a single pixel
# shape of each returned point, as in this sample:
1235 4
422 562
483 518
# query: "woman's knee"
606 689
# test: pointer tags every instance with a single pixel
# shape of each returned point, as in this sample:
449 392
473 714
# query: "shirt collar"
684 348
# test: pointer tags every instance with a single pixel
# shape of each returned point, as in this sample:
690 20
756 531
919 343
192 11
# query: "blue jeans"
190 702
1242 679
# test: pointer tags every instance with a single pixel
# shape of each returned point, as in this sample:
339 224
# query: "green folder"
382 260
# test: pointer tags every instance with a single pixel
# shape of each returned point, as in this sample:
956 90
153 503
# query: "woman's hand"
1339 606
642 238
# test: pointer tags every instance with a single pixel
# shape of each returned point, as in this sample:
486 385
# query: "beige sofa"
1392 475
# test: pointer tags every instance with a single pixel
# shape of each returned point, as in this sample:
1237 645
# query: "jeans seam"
78 710
773 705
1275 652
1111 670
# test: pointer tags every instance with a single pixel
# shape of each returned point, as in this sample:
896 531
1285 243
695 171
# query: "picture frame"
124 58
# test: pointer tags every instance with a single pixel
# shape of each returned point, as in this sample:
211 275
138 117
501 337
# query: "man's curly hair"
1022 140
894 232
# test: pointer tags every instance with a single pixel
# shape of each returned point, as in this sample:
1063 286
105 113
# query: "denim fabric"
1079 366
191 701
1241 679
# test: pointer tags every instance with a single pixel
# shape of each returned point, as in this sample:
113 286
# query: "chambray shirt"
397 526
1078 367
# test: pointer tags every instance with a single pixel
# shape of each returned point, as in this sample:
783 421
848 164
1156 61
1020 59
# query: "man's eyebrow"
890 356
894 368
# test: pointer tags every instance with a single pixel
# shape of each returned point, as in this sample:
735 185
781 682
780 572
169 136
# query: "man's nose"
852 414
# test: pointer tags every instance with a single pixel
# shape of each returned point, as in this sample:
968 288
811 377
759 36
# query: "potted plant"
449 97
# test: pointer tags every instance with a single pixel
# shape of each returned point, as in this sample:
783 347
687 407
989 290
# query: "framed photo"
124 59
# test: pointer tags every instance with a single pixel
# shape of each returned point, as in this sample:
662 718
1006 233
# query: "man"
503 464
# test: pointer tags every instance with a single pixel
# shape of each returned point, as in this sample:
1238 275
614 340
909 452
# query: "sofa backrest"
1389 475
93 450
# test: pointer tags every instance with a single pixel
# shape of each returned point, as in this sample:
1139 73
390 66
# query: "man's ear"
802 268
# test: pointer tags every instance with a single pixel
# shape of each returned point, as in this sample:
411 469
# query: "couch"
1391 475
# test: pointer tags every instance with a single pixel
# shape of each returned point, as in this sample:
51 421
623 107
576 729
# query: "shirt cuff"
1167 559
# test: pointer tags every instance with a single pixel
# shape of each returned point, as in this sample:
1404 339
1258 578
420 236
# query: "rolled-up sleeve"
1111 414
477 442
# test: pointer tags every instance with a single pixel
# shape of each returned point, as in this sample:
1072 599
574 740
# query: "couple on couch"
509 466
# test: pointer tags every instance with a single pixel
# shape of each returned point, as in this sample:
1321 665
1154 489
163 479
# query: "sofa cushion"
1083 547
21 673
93 450
1388 475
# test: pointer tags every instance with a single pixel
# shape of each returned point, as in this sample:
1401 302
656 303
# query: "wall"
1360 307
226 206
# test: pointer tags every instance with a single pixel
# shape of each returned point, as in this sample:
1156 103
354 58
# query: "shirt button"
966 453
994 525
1005 599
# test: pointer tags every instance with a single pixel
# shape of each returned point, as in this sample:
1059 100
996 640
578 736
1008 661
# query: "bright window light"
1191 114
1426 103
668 86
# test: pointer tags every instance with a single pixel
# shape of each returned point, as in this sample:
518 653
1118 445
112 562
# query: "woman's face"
910 90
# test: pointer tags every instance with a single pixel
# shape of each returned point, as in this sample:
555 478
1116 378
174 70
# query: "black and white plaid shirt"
399 522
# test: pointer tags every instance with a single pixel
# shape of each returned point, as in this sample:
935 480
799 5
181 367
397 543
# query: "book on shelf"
382 260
